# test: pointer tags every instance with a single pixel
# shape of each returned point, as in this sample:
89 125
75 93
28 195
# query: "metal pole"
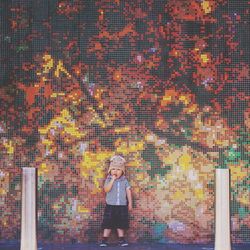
222 213
28 226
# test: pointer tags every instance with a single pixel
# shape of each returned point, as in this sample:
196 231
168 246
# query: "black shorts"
115 217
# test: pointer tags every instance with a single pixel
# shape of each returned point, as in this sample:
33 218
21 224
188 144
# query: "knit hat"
117 161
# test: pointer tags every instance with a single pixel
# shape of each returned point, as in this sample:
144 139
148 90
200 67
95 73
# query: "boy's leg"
120 232
122 241
106 233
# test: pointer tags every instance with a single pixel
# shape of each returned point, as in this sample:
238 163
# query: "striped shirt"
117 195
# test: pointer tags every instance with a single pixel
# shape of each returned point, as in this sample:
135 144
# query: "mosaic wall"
164 83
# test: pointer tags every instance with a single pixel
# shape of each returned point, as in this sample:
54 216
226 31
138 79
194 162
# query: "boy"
118 201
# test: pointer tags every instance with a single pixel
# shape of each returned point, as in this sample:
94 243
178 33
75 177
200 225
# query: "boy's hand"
130 207
114 177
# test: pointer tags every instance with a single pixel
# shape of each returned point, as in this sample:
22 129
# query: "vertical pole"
222 211
28 224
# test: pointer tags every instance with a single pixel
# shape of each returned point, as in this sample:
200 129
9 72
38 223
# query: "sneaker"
103 244
123 243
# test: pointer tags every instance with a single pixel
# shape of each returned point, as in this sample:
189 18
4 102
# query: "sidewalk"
14 245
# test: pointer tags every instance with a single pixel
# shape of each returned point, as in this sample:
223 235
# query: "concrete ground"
14 245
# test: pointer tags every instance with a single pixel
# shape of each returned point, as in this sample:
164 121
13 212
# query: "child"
118 201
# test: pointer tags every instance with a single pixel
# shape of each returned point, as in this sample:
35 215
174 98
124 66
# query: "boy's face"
116 172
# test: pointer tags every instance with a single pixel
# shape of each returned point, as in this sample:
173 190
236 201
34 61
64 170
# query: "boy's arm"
129 196
109 185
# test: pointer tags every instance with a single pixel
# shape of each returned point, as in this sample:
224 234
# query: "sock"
121 238
104 239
